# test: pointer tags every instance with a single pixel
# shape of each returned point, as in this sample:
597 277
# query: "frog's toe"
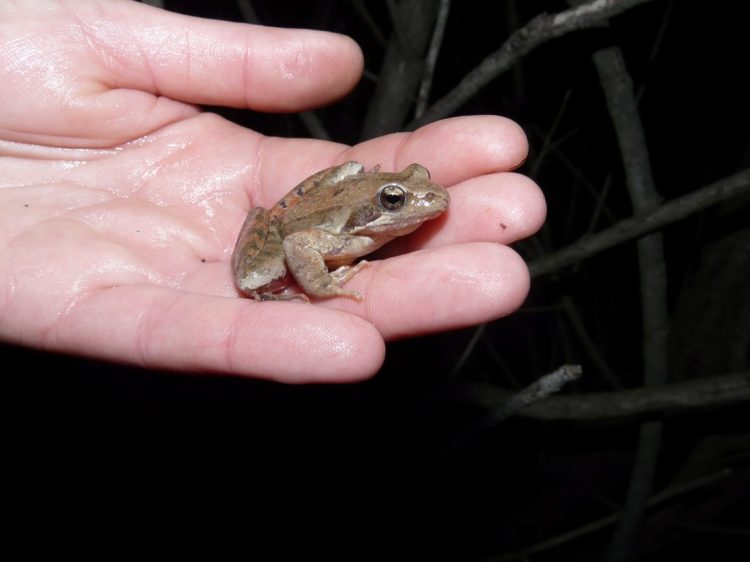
356 295
334 289
346 272
351 294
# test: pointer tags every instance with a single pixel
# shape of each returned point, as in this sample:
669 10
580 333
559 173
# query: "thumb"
100 71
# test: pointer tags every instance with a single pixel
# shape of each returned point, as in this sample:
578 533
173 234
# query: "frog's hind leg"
251 239
258 258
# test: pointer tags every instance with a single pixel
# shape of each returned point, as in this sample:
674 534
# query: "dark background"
405 464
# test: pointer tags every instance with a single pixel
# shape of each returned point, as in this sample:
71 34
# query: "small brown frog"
330 219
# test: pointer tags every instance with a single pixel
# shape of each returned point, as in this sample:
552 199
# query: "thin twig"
314 125
657 45
539 30
578 175
471 344
379 36
636 226
512 404
547 144
593 351
247 11
545 386
432 56
600 205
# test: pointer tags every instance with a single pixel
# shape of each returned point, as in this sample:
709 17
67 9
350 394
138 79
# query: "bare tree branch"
623 109
636 226
539 30
402 67
432 55
675 397
589 528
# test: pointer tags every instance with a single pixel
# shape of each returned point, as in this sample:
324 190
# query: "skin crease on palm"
120 201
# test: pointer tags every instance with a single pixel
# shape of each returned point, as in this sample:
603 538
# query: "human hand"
120 201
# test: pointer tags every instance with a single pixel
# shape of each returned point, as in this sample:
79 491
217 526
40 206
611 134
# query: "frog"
315 232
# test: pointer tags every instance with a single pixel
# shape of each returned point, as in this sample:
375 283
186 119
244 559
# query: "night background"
417 462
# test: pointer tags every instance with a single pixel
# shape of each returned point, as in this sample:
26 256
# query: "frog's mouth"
405 227
401 231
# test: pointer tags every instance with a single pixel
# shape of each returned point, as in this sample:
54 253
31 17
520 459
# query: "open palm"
120 201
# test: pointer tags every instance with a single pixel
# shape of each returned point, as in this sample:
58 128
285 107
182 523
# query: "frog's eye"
392 197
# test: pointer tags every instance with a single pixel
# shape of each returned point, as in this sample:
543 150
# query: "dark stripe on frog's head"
362 216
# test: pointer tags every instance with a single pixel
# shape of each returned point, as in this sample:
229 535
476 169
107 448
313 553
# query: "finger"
439 289
165 329
100 74
453 150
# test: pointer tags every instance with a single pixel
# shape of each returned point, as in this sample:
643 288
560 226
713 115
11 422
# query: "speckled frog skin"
330 219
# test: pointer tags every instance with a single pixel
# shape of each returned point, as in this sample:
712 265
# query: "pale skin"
120 201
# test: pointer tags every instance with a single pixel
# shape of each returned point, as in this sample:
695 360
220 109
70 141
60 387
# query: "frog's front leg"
306 254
